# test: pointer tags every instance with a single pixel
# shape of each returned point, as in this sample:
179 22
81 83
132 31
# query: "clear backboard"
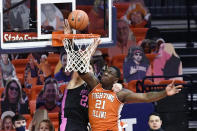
27 25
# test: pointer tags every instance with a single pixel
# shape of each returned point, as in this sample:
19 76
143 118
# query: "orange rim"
74 36
57 37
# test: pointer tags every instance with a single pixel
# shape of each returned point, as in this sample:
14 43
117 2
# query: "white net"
79 52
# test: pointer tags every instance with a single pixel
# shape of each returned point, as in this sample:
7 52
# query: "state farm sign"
13 36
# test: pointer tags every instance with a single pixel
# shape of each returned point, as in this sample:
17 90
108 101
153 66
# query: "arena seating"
1 92
118 62
139 33
54 117
121 9
32 106
132 85
35 90
20 65
28 118
53 60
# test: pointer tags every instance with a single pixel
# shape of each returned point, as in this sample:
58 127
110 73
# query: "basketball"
78 19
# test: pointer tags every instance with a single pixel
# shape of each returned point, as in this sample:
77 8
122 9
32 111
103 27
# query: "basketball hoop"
79 49
58 37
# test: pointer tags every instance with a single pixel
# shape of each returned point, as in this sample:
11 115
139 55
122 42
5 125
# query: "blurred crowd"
148 56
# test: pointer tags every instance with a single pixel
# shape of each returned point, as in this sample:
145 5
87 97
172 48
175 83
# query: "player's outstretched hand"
171 89
94 45
67 28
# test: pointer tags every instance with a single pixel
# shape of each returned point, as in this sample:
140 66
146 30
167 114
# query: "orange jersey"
104 110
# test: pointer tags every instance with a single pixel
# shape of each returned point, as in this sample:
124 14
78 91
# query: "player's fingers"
172 82
179 86
178 90
66 22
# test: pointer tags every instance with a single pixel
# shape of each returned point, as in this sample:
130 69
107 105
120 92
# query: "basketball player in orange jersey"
74 108
104 105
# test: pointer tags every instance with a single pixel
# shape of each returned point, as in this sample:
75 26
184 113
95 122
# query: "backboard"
27 25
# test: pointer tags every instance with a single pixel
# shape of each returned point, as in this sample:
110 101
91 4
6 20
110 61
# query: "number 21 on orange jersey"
100 104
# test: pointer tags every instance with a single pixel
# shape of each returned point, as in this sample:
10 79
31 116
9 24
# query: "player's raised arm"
89 77
79 59
128 96
67 28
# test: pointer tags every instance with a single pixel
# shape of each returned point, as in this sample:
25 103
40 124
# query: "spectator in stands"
137 15
52 18
135 65
155 35
167 63
62 76
19 16
51 96
14 99
149 46
159 41
98 18
98 63
44 68
46 125
6 118
19 122
155 122
7 123
31 77
125 39
39 115
173 65
7 69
